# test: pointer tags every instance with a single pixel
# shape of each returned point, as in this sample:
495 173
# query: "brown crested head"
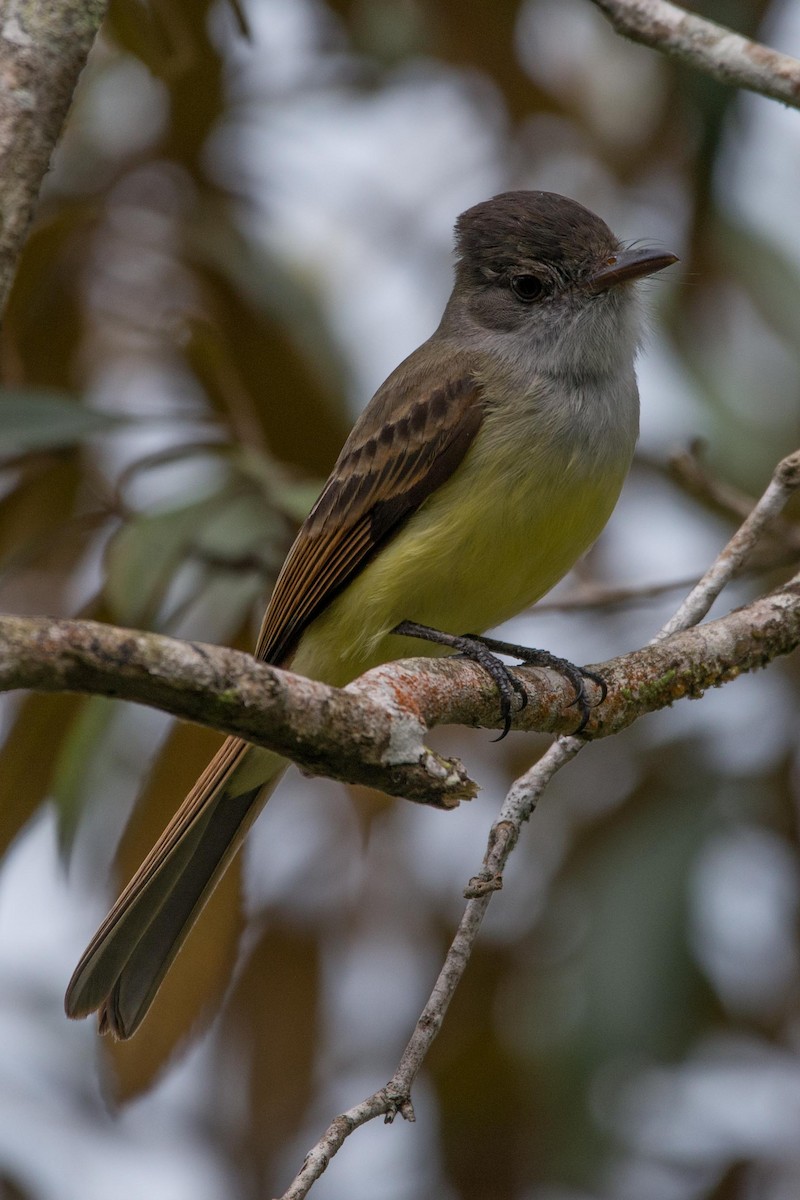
516 229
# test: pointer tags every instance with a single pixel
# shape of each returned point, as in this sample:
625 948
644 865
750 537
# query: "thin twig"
396 1096
691 474
783 484
687 469
598 598
517 808
595 596
706 46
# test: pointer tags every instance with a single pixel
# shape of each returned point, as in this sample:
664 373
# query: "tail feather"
125 963
154 952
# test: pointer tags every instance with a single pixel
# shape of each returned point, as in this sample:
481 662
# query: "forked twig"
517 808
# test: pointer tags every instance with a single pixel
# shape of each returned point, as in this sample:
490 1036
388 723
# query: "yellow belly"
482 548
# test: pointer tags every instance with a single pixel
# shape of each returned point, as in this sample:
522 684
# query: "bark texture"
44 45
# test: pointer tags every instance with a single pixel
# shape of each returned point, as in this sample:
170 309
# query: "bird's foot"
484 651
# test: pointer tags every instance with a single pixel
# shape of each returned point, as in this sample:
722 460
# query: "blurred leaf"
612 976
488 1127
174 42
237 525
78 748
144 555
140 561
235 535
267 358
138 29
298 499
13 1189
29 755
772 280
197 980
483 42
33 514
294 497
268 1045
45 316
41 420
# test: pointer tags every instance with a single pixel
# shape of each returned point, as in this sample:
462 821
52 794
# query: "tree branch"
372 731
43 49
706 46
525 792
367 739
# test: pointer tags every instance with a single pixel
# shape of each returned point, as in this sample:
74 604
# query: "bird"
480 471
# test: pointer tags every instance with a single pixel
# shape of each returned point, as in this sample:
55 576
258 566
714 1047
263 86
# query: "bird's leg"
484 651
543 658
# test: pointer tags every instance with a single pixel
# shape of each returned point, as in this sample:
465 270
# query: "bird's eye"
527 288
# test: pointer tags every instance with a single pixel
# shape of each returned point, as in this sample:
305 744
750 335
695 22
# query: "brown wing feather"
387 468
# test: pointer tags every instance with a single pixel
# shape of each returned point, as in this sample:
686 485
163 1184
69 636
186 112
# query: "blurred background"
248 224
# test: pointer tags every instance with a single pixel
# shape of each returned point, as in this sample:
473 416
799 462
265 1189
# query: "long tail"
123 966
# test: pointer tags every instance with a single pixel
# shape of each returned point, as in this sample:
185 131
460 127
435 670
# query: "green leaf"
44 420
293 497
29 756
144 556
232 536
78 750
297 499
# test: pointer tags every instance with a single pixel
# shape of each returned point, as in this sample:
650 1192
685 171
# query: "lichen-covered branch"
372 731
44 45
706 46
325 730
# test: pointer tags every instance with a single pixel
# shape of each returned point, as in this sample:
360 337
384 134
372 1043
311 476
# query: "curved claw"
581 699
543 658
505 700
601 683
483 650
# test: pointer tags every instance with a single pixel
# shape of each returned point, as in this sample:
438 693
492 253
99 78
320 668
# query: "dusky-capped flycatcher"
485 465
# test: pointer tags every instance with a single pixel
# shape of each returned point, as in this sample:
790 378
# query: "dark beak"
628 265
